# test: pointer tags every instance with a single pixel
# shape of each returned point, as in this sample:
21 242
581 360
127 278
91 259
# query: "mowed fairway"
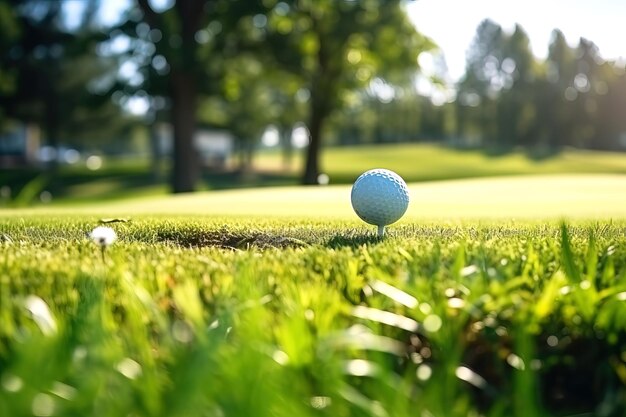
530 197
279 302
424 162
575 196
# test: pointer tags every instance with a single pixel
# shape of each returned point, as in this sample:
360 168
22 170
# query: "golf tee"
381 230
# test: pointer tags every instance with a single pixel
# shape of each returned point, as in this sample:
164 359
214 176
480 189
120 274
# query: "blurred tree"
552 128
357 121
9 32
173 32
338 46
266 95
579 103
190 40
588 73
611 90
573 98
386 113
500 84
253 95
289 108
560 74
482 81
51 66
433 121
514 80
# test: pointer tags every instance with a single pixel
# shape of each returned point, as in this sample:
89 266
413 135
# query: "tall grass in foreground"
191 318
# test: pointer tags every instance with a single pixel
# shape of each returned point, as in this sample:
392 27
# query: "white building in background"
20 146
215 146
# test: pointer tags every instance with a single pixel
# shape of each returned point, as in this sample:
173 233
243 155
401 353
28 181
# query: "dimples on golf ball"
380 197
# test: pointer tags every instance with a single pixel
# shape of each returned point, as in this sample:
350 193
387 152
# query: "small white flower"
103 236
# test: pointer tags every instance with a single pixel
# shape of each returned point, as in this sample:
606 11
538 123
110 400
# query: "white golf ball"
380 197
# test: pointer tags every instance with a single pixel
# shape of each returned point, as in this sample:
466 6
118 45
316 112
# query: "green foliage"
9 31
510 98
492 319
47 71
254 95
338 48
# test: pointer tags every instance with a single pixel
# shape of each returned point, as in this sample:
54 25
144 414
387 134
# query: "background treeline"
346 70
507 98
239 66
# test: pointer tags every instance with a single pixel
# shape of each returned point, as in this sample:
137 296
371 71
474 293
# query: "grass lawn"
415 162
427 162
578 196
279 302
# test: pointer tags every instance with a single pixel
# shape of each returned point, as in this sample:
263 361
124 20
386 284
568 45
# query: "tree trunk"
312 167
287 147
380 122
155 152
182 85
186 162
245 151
249 155
52 132
324 96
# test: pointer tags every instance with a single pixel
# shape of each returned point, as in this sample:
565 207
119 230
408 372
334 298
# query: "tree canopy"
347 69
337 47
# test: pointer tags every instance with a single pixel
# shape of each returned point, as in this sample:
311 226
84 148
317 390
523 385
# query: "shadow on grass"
539 153
226 239
237 179
77 185
353 240
534 152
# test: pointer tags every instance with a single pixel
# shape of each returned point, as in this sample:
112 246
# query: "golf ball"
380 197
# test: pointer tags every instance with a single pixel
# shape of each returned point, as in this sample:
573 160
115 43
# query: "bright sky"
452 23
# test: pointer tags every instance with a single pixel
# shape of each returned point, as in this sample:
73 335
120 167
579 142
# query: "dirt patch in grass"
227 239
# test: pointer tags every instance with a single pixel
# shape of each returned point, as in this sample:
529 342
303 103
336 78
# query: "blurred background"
104 99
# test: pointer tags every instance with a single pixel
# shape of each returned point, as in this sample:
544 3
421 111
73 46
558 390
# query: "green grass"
588 196
415 162
278 302
427 162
